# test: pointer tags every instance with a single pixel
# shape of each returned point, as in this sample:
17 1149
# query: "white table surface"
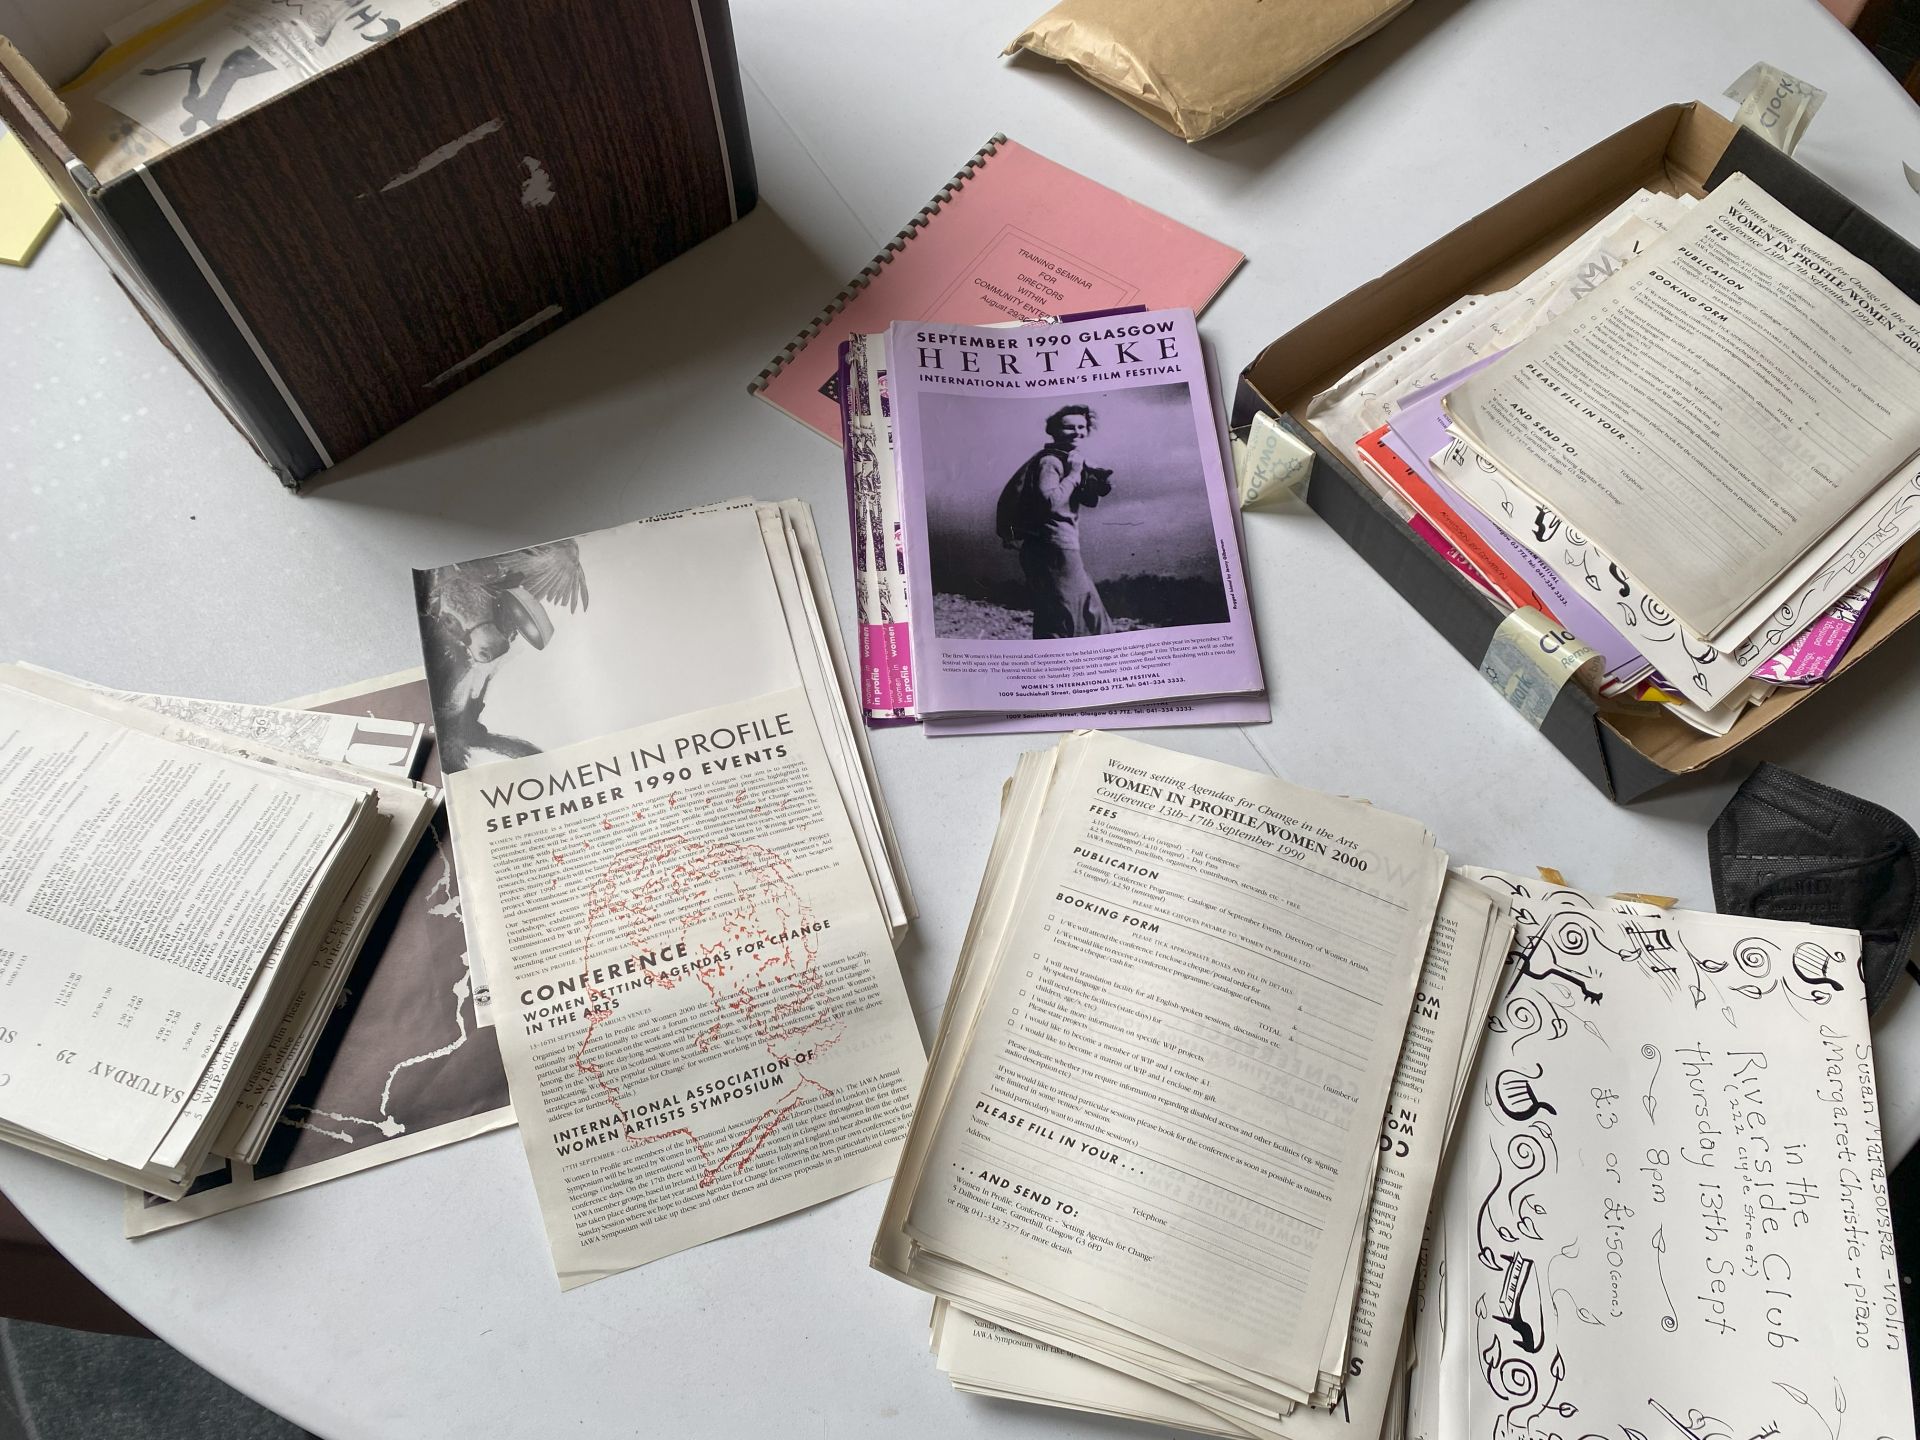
146 547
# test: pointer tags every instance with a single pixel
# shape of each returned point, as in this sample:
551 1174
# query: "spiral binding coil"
879 262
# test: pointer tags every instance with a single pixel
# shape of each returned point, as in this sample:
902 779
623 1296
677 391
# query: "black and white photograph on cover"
473 617
1054 518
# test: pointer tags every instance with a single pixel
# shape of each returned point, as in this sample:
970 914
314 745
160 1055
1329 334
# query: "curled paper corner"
1550 875
1270 466
1913 177
1776 106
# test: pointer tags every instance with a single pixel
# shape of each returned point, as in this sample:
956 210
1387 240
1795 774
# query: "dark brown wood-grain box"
340 257
1679 150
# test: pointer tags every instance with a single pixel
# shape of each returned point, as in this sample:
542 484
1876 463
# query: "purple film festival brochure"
1065 489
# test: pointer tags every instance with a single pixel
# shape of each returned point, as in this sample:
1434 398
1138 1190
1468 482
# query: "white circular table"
145 546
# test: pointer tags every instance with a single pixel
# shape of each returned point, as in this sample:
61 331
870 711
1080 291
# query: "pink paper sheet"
1012 237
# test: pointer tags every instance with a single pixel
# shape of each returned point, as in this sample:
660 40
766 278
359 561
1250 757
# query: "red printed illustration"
753 943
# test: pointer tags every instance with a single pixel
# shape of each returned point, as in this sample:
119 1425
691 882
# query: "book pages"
399 1065
294 1007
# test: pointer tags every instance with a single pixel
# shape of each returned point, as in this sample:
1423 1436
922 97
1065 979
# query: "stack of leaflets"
1044 532
1186 1108
1665 1213
562 641
1689 439
401 1065
679 877
186 885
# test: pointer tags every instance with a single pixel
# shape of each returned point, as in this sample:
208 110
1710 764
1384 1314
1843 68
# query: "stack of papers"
183 899
1665 1213
678 876
1184 1114
1043 528
1690 439
400 1067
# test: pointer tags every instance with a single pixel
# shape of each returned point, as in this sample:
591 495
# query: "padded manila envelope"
1197 67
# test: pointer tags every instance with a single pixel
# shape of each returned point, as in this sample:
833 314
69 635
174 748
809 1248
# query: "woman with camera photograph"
1039 515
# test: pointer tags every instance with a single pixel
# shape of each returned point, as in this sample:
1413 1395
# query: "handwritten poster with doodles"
701 1018
1666 1215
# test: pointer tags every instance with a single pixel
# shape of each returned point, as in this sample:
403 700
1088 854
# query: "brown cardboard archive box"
346 253
1682 149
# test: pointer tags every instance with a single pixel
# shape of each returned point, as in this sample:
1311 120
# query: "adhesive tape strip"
1530 658
1775 105
1270 466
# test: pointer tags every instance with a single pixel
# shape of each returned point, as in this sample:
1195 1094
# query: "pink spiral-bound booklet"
1012 236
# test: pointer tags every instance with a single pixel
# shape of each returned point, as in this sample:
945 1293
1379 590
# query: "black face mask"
1786 848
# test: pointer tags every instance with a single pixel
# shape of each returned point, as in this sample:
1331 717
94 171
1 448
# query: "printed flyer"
701 1018
1066 490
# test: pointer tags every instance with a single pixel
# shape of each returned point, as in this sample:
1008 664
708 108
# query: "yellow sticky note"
28 206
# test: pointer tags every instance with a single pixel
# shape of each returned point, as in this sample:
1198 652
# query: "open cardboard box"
1682 149
342 255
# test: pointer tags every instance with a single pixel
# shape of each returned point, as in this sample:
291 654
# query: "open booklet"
1154 1171
379 751
399 1065
1065 548
178 901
